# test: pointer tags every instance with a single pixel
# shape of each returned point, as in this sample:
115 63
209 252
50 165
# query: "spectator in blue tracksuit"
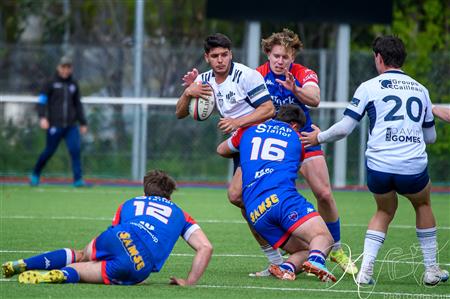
60 110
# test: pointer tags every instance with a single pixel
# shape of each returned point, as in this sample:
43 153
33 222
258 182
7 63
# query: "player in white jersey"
242 99
401 124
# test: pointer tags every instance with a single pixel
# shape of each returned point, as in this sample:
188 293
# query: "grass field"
50 217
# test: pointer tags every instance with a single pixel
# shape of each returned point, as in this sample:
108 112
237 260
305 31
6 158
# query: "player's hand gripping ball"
200 108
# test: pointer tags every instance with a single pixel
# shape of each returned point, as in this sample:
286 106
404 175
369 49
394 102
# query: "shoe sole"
35 277
278 273
347 268
319 273
7 271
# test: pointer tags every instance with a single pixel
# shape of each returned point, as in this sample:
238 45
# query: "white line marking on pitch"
400 295
211 221
227 255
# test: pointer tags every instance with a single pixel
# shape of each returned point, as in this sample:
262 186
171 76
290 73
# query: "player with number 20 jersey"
398 108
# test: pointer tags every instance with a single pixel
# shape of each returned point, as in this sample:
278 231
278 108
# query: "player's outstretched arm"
196 89
200 243
339 130
442 113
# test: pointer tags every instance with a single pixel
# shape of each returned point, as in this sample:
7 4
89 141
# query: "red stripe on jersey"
264 69
116 219
104 275
74 258
294 227
313 154
237 136
303 74
94 251
189 218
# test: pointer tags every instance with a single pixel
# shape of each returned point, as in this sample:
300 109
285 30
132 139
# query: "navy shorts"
125 260
276 214
383 182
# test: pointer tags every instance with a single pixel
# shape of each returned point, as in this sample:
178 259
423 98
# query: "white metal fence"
185 148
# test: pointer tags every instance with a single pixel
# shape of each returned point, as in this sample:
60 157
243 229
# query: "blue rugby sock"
288 266
317 256
335 231
71 275
51 260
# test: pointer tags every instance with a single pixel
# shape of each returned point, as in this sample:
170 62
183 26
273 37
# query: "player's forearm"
182 108
339 130
262 113
429 135
442 113
308 95
199 264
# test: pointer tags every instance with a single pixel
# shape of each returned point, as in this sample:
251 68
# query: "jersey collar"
394 72
230 72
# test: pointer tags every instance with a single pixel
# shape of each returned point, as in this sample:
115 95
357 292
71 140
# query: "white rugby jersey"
398 108
241 92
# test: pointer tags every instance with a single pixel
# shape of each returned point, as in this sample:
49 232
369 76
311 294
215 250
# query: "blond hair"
286 38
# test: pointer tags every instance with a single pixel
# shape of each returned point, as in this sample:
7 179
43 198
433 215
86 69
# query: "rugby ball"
201 108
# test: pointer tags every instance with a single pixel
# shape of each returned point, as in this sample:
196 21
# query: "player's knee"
324 196
388 214
79 256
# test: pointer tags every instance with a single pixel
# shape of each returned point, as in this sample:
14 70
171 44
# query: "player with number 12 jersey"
152 222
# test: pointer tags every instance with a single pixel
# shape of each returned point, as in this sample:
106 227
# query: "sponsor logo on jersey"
400 84
310 76
220 99
263 207
262 172
231 97
131 250
269 82
279 101
355 102
47 262
403 135
274 129
293 216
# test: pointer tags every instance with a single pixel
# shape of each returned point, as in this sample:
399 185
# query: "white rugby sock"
372 244
273 255
427 240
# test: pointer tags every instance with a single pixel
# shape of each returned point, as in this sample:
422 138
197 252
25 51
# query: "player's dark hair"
291 113
391 49
159 183
216 40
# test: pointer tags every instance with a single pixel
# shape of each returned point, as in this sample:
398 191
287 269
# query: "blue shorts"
125 260
383 182
276 214
311 151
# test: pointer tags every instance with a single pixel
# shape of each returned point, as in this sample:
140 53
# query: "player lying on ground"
270 156
143 233
401 124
